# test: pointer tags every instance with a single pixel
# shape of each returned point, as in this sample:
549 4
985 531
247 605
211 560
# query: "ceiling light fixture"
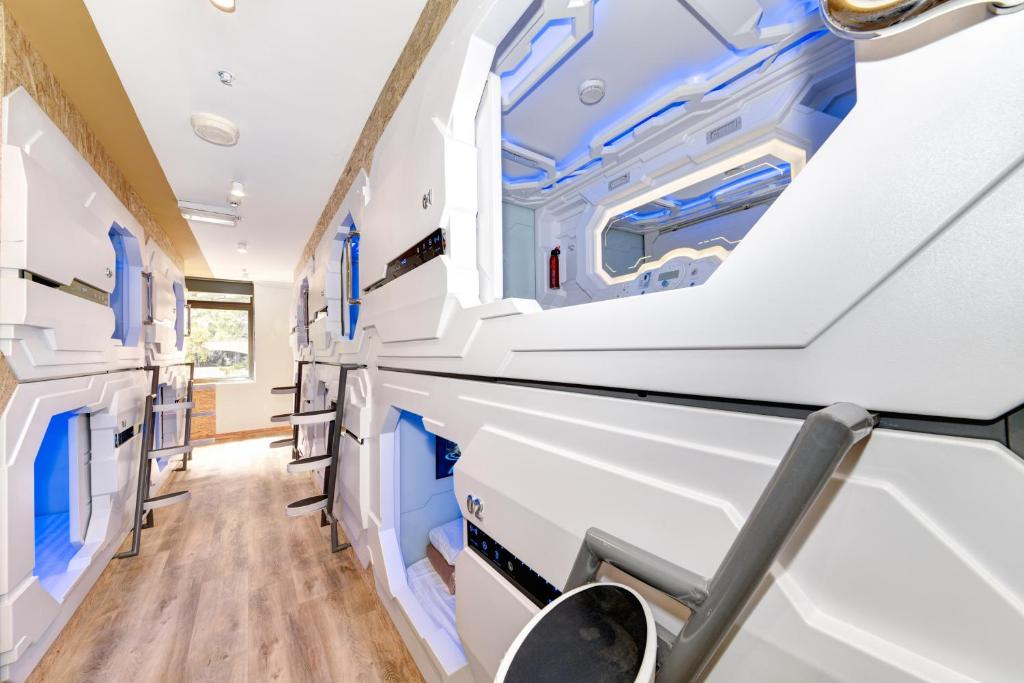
243 248
591 91
206 213
213 220
226 77
224 5
215 129
237 189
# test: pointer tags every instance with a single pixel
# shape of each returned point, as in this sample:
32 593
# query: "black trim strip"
998 430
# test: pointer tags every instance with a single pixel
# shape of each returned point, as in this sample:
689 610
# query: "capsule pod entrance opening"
426 535
71 452
63 500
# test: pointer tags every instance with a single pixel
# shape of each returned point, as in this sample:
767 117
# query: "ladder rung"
172 407
165 500
306 505
282 443
169 452
283 390
201 442
205 413
283 417
317 462
312 417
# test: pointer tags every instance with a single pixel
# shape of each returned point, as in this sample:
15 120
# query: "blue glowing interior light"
639 216
126 299
353 309
580 171
726 194
547 40
809 38
629 131
787 13
52 471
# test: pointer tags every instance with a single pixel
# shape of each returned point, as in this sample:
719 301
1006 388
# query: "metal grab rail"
824 439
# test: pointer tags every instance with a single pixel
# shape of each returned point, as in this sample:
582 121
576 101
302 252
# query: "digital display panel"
519 574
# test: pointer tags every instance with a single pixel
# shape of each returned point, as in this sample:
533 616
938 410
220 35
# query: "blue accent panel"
126 300
51 474
841 105
179 315
353 310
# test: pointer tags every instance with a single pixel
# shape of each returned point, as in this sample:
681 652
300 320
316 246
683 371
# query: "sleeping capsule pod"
71 303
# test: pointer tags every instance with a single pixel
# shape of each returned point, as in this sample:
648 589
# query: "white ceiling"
307 73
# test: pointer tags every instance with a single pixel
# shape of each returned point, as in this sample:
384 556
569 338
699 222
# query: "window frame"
224 287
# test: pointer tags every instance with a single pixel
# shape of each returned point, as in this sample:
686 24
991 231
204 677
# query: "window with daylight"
220 329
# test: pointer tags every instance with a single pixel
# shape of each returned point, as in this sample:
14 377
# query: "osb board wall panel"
205 398
22 66
8 383
435 13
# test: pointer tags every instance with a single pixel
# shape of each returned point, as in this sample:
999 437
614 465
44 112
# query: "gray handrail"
824 439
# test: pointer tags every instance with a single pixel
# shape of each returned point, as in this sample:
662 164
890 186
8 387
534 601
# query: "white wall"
248 405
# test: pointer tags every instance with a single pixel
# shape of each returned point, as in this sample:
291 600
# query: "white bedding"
431 592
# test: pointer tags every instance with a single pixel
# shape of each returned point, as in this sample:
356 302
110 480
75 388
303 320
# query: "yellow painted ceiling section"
63 34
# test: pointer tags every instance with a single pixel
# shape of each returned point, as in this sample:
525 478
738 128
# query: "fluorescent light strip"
198 218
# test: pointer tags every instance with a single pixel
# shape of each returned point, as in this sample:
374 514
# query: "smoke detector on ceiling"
215 129
591 91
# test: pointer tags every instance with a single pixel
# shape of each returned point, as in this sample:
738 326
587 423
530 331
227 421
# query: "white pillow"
448 540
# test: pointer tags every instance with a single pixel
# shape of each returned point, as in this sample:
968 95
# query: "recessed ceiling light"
226 77
224 5
243 248
215 129
591 91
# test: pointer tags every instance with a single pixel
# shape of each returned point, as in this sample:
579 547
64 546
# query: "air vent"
215 129
727 128
615 183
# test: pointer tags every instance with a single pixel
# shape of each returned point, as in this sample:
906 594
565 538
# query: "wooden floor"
229 589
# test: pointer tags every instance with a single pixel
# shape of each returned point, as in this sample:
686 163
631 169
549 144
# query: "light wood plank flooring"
229 589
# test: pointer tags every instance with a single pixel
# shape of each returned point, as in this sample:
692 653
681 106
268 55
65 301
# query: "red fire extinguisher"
553 276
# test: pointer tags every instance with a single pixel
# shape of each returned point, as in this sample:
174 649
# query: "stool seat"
600 633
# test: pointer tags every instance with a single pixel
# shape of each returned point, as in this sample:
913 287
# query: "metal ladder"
716 603
335 417
144 505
